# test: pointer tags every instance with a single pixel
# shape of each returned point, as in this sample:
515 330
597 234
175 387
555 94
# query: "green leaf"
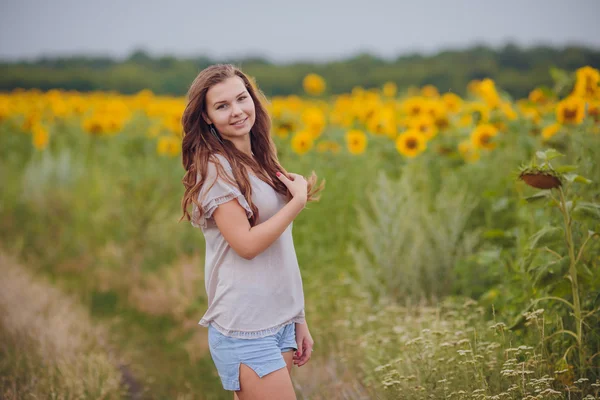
565 168
495 234
558 74
586 271
551 273
551 154
541 155
582 179
545 236
538 196
586 209
576 178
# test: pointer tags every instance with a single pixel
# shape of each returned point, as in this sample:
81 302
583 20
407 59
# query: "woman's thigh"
288 357
275 385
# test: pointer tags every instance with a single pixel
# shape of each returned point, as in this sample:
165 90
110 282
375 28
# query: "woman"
245 203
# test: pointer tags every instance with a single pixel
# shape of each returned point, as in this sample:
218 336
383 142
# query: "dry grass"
48 346
171 291
451 352
327 378
175 291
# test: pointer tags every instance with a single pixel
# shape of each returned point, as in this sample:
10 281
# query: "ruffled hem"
251 334
211 205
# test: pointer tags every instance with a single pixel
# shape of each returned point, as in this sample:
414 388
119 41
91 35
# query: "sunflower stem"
573 276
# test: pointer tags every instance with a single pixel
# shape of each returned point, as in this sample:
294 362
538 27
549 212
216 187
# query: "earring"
215 134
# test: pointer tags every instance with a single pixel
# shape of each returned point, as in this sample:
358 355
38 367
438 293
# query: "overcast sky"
287 30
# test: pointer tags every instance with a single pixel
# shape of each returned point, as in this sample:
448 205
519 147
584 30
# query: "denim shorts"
263 354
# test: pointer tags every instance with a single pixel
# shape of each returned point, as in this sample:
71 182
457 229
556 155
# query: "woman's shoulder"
217 158
214 160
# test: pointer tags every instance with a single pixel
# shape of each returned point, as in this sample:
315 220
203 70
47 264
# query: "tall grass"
451 351
412 237
49 348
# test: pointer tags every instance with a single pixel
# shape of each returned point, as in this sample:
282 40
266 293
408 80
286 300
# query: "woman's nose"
235 109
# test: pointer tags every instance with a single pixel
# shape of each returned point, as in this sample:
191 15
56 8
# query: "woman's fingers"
284 179
305 355
293 176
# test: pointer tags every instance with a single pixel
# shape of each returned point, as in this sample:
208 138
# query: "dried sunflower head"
541 179
542 176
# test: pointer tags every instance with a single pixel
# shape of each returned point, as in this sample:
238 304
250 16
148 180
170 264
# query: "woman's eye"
243 97
221 106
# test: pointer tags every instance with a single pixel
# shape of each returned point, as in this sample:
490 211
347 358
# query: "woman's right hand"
297 186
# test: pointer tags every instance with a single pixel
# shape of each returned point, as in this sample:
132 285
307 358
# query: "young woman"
245 202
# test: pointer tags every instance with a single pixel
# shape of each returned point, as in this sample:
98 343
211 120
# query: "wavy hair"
199 145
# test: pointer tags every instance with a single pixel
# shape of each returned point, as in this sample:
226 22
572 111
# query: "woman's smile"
240 122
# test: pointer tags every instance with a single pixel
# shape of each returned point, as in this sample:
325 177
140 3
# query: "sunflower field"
454 254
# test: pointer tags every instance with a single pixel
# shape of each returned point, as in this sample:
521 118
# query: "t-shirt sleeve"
215 191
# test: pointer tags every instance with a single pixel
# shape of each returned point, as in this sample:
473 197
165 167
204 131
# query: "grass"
49 347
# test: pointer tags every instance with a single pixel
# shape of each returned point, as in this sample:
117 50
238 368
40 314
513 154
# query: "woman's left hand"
305 344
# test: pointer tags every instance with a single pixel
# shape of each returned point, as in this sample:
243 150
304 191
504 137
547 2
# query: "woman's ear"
206 119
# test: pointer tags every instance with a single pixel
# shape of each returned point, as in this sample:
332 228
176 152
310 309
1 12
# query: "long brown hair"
198 145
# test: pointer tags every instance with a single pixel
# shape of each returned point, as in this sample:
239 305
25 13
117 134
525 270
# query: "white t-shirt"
247 298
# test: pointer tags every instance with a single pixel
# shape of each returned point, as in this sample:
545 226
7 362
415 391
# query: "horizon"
270 60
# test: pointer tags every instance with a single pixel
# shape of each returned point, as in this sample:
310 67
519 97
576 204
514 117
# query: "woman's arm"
249 241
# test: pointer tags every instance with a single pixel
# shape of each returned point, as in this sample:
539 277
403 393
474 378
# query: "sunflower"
302 142
313 84
594 111
487 90
328 146
383 122
550 131
536 96
276 107
473 86
411 143
452 102
570 111
168 145
154 131
414 106
40 137
508 111
430 91
283 128
94 125
390 89
314 119
539 96
5 110
465 120
539 178
32 119
425 125
586 84
356 141
482 136
479 112
468 152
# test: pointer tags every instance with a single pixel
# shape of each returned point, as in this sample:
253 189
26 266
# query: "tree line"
515 69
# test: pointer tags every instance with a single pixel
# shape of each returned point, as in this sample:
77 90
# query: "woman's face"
230 108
